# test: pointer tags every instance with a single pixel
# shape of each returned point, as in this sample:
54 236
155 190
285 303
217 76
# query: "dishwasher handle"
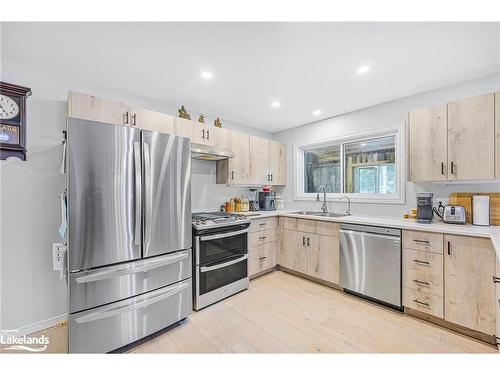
368 234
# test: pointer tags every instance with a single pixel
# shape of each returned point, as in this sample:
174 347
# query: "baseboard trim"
262 273
483 337
40 326
310 278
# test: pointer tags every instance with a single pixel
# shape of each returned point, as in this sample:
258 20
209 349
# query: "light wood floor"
282 313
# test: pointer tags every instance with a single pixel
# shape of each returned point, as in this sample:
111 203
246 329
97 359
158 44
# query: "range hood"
206 152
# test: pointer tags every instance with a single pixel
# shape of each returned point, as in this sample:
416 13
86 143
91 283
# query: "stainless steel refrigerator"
129 234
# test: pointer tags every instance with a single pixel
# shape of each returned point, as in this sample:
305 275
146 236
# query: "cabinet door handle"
303 241
125 118
232 175
452 168
421 303
203 134
134 118
442 168
308 242
208 134
496 280
422 241
421 282
271 178
449 248
421 261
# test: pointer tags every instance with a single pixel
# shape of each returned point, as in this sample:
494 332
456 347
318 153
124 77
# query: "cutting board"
465 199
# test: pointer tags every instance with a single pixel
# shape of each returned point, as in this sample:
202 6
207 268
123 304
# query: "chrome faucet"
348 211
324 207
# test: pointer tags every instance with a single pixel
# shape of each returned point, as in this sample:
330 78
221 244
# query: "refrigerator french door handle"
148 194
128 271
98 315
138 193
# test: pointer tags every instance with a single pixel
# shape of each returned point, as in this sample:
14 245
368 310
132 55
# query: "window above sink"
368 167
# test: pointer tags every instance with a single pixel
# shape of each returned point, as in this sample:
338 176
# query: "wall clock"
13 120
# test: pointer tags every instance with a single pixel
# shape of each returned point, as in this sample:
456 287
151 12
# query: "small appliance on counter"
454 214
481 210
267 199
424 208
254 200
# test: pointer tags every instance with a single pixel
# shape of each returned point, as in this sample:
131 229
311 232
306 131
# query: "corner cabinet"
454 141
93 108
151 120
471 138
469 290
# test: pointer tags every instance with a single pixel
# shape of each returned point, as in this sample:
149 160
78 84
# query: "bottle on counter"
237 204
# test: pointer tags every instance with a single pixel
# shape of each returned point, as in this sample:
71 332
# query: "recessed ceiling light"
206 75
316 112
363 69
363 144
275 104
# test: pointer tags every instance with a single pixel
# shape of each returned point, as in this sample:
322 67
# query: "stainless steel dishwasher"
370 262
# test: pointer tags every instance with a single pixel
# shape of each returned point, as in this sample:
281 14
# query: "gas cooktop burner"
216 219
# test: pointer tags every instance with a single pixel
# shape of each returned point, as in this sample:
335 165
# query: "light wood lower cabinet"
263 245
469 266
322 258
312 254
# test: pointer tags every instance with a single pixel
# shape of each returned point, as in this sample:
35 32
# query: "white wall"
30 292
380 117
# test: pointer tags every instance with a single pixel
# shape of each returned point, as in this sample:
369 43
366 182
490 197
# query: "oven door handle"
224 235
217 266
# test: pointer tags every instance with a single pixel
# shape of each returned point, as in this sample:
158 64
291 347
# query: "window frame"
397 130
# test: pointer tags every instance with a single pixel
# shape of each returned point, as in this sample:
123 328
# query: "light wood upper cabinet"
428 144
93 108
497 132
235 170
469 266
183 127
221 137
259 161
471 138
277 163
151 120
204 134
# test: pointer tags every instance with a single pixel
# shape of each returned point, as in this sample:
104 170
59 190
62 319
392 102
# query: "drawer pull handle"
262 258
262 224
496 280
421 282
421 303
421 262
262 238
422 242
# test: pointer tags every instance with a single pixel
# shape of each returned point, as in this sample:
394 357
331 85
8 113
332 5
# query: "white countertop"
492 232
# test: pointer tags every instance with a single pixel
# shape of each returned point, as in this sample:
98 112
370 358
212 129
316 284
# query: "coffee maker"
424 208
267 200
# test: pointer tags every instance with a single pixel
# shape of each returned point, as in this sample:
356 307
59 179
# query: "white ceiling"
304 66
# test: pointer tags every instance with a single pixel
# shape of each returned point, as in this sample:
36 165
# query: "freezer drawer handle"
120 310
145 268
230 263
223 235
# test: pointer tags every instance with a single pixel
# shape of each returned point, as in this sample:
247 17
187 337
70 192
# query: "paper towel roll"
481 210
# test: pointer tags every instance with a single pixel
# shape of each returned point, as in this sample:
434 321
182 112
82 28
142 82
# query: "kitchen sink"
318 213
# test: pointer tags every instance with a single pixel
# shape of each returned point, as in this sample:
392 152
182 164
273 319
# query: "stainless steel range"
220 243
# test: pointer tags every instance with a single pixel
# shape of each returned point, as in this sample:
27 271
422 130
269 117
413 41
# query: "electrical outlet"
58 250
